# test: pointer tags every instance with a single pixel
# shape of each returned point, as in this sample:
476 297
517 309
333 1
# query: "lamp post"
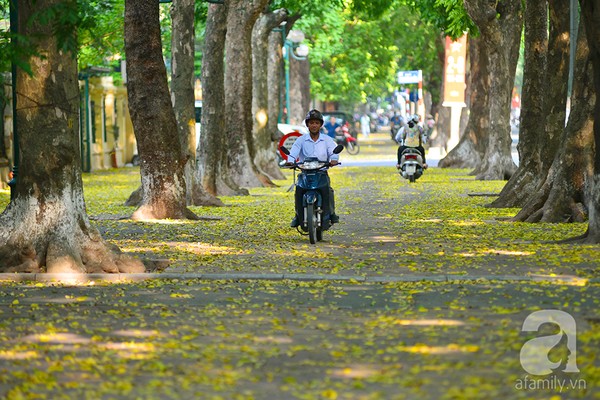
291 43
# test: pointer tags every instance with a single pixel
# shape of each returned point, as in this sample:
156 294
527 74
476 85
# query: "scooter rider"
319 145
411 135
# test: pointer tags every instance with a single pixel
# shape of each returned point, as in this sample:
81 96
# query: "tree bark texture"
4 80
183 98
238 93
525 181
561 197
500 26
557 86
211 156
471 146
46 226
590 12
441 133
299 90
155 127
265 157
274 79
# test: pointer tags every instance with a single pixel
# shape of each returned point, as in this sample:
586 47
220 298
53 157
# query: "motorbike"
411 164
313 179
348 141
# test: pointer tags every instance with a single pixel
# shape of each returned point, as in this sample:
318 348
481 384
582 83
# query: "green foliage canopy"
358 46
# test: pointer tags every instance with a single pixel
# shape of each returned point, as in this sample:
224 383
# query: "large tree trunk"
4 160
3 104
299 90
557 85
274 78
211 156
471 146
238 93
525 181
154 124
590 12
183 99
265 157
45 227
561 197
500 26
441 133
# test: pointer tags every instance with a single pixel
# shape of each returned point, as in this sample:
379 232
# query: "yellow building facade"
106 131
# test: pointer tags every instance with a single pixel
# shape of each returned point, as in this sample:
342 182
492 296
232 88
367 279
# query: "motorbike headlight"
312 165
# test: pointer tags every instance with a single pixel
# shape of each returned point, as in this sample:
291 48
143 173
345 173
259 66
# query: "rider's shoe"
334 218
425 166
295 222
398 166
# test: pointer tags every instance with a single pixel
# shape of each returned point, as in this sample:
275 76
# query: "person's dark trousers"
402 148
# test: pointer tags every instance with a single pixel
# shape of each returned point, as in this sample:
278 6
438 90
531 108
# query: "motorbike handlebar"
297 166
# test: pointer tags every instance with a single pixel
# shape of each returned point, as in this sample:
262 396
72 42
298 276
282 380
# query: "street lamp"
290 43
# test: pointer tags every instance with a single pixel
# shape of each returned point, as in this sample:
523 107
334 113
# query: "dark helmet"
314 114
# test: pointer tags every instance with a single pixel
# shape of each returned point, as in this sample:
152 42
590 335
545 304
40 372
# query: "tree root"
516 191
56 254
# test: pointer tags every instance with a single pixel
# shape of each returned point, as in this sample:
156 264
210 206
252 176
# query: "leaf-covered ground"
388 227
287 340
284 339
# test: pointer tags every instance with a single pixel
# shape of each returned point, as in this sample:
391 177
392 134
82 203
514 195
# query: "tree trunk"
238 93
471 146
561 197
296 108
526 180
557 86
590 12
46 224
155 127
441 133
299 90
265 157
211 156
3 104
274 78
183 99
500 26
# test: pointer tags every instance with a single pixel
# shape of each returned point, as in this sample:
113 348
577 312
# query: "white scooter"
411 164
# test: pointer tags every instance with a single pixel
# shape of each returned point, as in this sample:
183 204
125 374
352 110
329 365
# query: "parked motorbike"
411 164
348 141
313 179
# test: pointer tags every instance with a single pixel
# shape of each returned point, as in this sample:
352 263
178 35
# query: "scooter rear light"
411 157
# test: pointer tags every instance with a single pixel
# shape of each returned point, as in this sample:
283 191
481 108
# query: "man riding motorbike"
314 144
411 135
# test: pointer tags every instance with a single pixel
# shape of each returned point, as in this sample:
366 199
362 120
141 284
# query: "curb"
137 277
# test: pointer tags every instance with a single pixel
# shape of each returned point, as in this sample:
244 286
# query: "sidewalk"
196 339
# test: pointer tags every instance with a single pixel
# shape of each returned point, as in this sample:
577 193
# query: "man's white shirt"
305 147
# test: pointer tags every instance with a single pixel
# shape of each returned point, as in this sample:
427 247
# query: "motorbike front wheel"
311 221
352 148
